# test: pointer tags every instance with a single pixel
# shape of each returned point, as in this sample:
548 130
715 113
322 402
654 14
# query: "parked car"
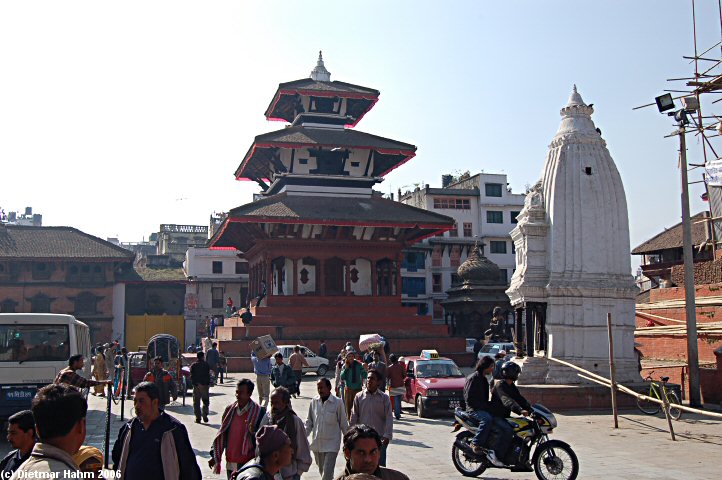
316 364
492 348
433 384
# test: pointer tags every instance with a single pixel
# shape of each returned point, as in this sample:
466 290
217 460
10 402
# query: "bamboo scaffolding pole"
605 381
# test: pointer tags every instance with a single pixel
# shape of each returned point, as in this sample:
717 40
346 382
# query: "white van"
34 347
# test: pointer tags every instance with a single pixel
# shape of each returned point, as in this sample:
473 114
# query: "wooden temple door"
333 276
386 277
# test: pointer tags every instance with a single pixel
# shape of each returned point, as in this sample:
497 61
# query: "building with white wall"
485 210
214 276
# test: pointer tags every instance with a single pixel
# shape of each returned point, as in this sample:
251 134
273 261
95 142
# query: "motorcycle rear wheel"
464 463
555 460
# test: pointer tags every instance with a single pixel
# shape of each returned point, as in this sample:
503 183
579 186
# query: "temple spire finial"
319 73
575 98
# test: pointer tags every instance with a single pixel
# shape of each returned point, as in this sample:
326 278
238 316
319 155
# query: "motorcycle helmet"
510 370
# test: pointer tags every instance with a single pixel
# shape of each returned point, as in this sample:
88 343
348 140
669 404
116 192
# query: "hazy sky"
117 117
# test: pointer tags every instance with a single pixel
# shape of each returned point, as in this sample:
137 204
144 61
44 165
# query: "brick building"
661 333
61 270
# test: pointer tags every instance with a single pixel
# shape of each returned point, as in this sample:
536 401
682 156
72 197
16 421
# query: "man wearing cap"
273 452
283 416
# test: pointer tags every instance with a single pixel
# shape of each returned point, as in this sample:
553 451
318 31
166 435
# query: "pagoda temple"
327 246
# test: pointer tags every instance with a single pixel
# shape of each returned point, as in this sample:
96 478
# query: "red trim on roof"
383 174
340 223
222 248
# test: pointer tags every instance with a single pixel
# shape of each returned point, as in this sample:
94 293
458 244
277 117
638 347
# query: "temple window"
467 229
497 246
513 214
40 303
241 268
492 189
41 271
454 232
86 303
217 267
494 216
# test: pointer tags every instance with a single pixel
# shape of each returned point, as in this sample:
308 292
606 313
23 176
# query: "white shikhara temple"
573 264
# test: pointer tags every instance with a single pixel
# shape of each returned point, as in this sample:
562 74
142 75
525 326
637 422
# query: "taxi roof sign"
430 354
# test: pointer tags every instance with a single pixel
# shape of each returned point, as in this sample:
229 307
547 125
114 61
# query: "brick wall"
54 286
674 347
706 272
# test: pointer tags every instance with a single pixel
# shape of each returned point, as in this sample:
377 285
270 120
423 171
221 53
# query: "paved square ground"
640 448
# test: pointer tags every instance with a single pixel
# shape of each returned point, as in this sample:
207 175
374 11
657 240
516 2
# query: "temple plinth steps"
337 319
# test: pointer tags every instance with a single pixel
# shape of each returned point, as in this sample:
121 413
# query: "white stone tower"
573 263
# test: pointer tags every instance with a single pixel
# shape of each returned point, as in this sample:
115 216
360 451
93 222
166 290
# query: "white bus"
34 347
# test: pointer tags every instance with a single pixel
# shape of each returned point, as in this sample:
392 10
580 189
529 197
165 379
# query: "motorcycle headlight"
432 393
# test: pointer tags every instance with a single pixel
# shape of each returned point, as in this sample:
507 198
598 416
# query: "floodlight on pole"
690 105
664 102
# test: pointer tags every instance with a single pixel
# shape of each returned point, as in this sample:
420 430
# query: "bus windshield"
34 343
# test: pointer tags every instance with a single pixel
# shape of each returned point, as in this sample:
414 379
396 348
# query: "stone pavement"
640 448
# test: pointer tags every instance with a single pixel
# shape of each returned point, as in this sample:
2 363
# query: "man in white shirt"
326 424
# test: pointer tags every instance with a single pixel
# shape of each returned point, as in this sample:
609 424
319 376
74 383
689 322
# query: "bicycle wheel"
674 412
647 406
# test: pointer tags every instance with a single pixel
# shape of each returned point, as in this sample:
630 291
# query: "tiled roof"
335 86
373 209
283 105
339 211
56 242
672 237
256 164
338 137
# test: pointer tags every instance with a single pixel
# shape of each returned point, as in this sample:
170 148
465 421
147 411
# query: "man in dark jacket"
21 436
476 397
274 452
153 444
506 398
201 378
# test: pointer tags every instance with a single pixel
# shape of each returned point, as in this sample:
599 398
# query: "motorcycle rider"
476 397
506 398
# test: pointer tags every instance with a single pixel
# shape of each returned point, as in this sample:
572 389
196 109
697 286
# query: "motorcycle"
529 450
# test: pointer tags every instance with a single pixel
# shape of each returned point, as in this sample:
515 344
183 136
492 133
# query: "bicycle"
657 390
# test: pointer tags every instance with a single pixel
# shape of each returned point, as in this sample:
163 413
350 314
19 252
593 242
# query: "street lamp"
690 105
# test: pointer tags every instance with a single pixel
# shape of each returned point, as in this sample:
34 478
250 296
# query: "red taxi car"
433 383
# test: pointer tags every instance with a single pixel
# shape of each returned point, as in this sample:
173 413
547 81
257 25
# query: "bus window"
34 343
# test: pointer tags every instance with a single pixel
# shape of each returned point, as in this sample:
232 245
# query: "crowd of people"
260 440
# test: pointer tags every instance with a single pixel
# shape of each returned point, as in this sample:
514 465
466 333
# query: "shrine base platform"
337 320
